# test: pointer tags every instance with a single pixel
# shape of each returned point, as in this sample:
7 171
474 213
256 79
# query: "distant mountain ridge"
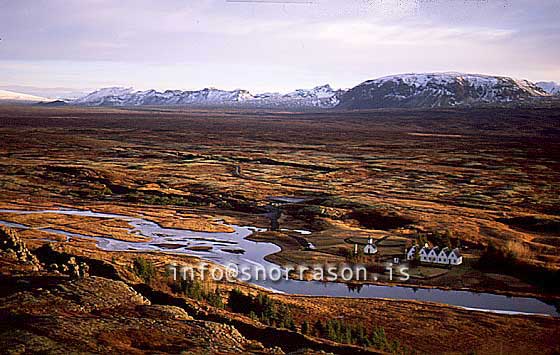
439 90
396 91
550 87
16 97
318 97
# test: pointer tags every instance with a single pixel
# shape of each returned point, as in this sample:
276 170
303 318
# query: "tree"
239 302
145 269
319 328
214 298
305 327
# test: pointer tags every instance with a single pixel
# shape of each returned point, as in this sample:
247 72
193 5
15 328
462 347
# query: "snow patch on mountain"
12 96
435 80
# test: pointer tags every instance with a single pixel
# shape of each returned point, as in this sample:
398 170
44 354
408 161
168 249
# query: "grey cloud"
369 36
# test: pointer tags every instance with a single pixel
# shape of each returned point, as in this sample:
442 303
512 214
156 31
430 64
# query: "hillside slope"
438 90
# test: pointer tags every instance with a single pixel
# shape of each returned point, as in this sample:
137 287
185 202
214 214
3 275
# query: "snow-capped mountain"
319 97
104 97
16 97
550 87
438 90
399 91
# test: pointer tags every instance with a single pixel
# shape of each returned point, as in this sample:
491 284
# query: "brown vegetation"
488 177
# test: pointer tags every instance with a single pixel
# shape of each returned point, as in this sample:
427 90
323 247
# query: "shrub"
338 202
305 327
340 331
374 218
238 302
145 269
195 290
214 298
310 212
190 288
495 257
262 308
512 259
518 250
441 239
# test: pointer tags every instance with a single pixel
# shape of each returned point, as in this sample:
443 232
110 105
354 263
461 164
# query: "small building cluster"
436 255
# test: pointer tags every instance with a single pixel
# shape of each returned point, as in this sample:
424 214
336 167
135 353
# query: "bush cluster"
268 311
342 332
195 290
514 259
261 308
145 269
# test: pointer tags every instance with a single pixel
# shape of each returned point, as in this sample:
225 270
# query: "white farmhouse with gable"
455 257
442 256
436 255
433 255
411 253
424 254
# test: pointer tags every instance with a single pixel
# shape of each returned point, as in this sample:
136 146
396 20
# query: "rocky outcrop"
86 295
42 312
97 315
71 267
159 311
62 263
13 247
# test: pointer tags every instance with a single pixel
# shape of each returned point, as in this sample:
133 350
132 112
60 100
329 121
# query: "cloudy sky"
264 45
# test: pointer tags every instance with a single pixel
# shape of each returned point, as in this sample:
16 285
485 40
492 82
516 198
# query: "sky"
69 46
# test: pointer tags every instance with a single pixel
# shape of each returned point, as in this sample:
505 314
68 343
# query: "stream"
234 248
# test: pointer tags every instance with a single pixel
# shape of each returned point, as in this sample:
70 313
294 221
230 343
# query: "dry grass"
466 171
519 250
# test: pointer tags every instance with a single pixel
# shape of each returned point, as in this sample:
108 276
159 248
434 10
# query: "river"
225 249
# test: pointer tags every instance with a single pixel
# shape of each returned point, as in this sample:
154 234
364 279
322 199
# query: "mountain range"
396 91
318 97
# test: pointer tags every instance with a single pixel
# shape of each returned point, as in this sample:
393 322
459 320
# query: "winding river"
227 248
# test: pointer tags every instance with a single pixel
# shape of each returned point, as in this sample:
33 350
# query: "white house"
433 255
370 248
442 256
411 252
455 257
436 255
424 254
